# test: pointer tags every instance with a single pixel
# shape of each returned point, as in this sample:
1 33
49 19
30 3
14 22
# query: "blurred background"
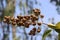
49 8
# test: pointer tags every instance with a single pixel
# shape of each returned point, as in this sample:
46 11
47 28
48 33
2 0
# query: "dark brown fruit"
38 30
41 16
33 23
36 12
26 25
39 23
34 29
13 23
17 20
12 19
24 20
5 17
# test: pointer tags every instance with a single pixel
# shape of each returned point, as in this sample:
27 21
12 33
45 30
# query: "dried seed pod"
14 23
18 16
32 15
39 23
21 23
12 19
32 32
27 25
8 22
27 17
33 23
36 18
34 29
17 20
41 16
24 20
38 30
18 24
9 17
5 17
36 12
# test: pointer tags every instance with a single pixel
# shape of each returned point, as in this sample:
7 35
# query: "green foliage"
46 33
58 25
59 36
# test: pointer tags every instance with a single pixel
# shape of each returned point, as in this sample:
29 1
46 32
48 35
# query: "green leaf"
57 30
52 26
46 33
59 36
58 25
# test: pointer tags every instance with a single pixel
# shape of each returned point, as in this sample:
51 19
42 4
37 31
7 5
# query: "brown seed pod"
20 17
24 20
41 16
21 23
33 23
38 30
17 20
9 17
27 17
12 19
32 32
39 23
36 12
14 23
27 24
5 17
8 22
34 29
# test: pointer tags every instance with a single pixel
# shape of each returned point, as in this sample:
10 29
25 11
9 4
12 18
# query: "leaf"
52 26
46 33
59 36
57 30
58 25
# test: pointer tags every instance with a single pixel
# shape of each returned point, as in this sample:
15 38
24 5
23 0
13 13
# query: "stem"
59 36
31 37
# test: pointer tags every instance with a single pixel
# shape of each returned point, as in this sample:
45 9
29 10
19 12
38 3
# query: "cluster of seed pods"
26 20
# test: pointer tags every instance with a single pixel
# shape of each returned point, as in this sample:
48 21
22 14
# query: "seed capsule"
5 17
41 16
38 30
27 24
34 29
36 12
17 20
12 19
24 20
14 23
39 23
33 23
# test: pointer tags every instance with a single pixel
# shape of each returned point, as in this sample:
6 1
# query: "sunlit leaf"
46 33
58 25
51 26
